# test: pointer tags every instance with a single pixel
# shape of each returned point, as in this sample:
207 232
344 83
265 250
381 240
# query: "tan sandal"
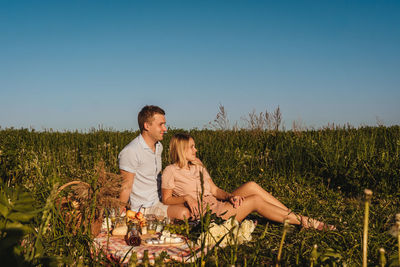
325 227
315 224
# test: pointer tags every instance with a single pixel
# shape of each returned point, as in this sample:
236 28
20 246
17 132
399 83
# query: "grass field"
318 173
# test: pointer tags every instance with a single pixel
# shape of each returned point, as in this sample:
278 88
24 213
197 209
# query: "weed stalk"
314 255
285 228
133 259
398 239
382 258
368 196
37 249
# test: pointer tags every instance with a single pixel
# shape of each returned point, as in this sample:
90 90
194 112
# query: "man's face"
156 127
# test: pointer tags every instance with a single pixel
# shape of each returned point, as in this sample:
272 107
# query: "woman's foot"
318 225
325 227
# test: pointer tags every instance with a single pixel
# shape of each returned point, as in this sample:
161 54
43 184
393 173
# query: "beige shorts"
158 210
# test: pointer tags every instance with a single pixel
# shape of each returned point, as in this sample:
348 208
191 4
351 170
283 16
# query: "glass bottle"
159 227
143 228
151 228
132 238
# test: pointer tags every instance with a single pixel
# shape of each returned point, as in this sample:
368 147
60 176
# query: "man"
140 166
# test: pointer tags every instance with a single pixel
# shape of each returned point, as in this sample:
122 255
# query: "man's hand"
192 204
236 200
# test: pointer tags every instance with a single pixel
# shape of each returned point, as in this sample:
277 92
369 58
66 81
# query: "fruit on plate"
130 214
136 218
139 215
143 223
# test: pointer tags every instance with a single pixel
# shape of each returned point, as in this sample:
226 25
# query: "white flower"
245 230
239 233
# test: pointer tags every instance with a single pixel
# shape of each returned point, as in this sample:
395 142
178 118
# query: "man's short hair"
146 115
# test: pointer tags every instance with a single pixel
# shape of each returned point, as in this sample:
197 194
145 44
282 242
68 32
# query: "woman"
181 185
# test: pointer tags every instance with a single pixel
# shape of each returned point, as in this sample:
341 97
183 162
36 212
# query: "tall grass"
318 173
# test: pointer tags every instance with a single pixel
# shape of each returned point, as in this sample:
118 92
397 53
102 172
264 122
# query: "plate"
164 244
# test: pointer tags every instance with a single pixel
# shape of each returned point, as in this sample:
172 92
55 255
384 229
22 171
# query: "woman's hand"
192 204
236 200
197 161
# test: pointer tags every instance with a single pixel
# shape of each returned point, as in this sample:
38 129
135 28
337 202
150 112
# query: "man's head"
151 120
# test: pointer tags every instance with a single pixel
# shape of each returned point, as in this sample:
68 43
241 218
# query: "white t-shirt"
138 158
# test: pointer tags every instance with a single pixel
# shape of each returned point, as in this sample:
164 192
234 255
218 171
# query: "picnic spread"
137 234
149 237
119 251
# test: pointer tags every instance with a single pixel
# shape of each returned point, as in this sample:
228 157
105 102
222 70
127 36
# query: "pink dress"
187 182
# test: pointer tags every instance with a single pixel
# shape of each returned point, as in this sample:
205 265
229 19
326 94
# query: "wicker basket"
73 218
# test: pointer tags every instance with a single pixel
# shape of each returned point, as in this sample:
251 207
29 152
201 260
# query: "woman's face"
190 151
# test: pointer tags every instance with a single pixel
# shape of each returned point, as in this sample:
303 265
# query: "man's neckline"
146 145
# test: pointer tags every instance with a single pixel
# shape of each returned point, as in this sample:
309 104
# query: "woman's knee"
184 213
251 184
179 212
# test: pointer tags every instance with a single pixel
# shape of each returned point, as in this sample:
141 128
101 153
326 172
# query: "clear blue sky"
72 65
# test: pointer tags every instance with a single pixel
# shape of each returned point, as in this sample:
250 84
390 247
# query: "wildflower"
368 194
397 217
314 143
394 230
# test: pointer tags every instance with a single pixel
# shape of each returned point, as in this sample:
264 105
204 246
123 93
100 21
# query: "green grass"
318 173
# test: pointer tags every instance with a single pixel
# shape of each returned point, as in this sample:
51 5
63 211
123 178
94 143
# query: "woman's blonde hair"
177 146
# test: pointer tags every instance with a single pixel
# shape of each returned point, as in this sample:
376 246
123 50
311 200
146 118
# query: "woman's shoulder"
196 169
174 168
170 167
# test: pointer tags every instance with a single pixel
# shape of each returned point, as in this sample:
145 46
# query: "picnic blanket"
116 249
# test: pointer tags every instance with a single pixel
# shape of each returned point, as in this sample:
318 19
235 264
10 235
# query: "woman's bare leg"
178 211
252 188
269 211
258 204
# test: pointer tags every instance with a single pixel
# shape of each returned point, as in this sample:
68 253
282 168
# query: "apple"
139 215
130 214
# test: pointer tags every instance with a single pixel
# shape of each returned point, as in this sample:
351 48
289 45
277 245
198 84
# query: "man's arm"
127 182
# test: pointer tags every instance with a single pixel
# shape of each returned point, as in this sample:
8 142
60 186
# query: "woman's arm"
218 192
168 199
222 195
